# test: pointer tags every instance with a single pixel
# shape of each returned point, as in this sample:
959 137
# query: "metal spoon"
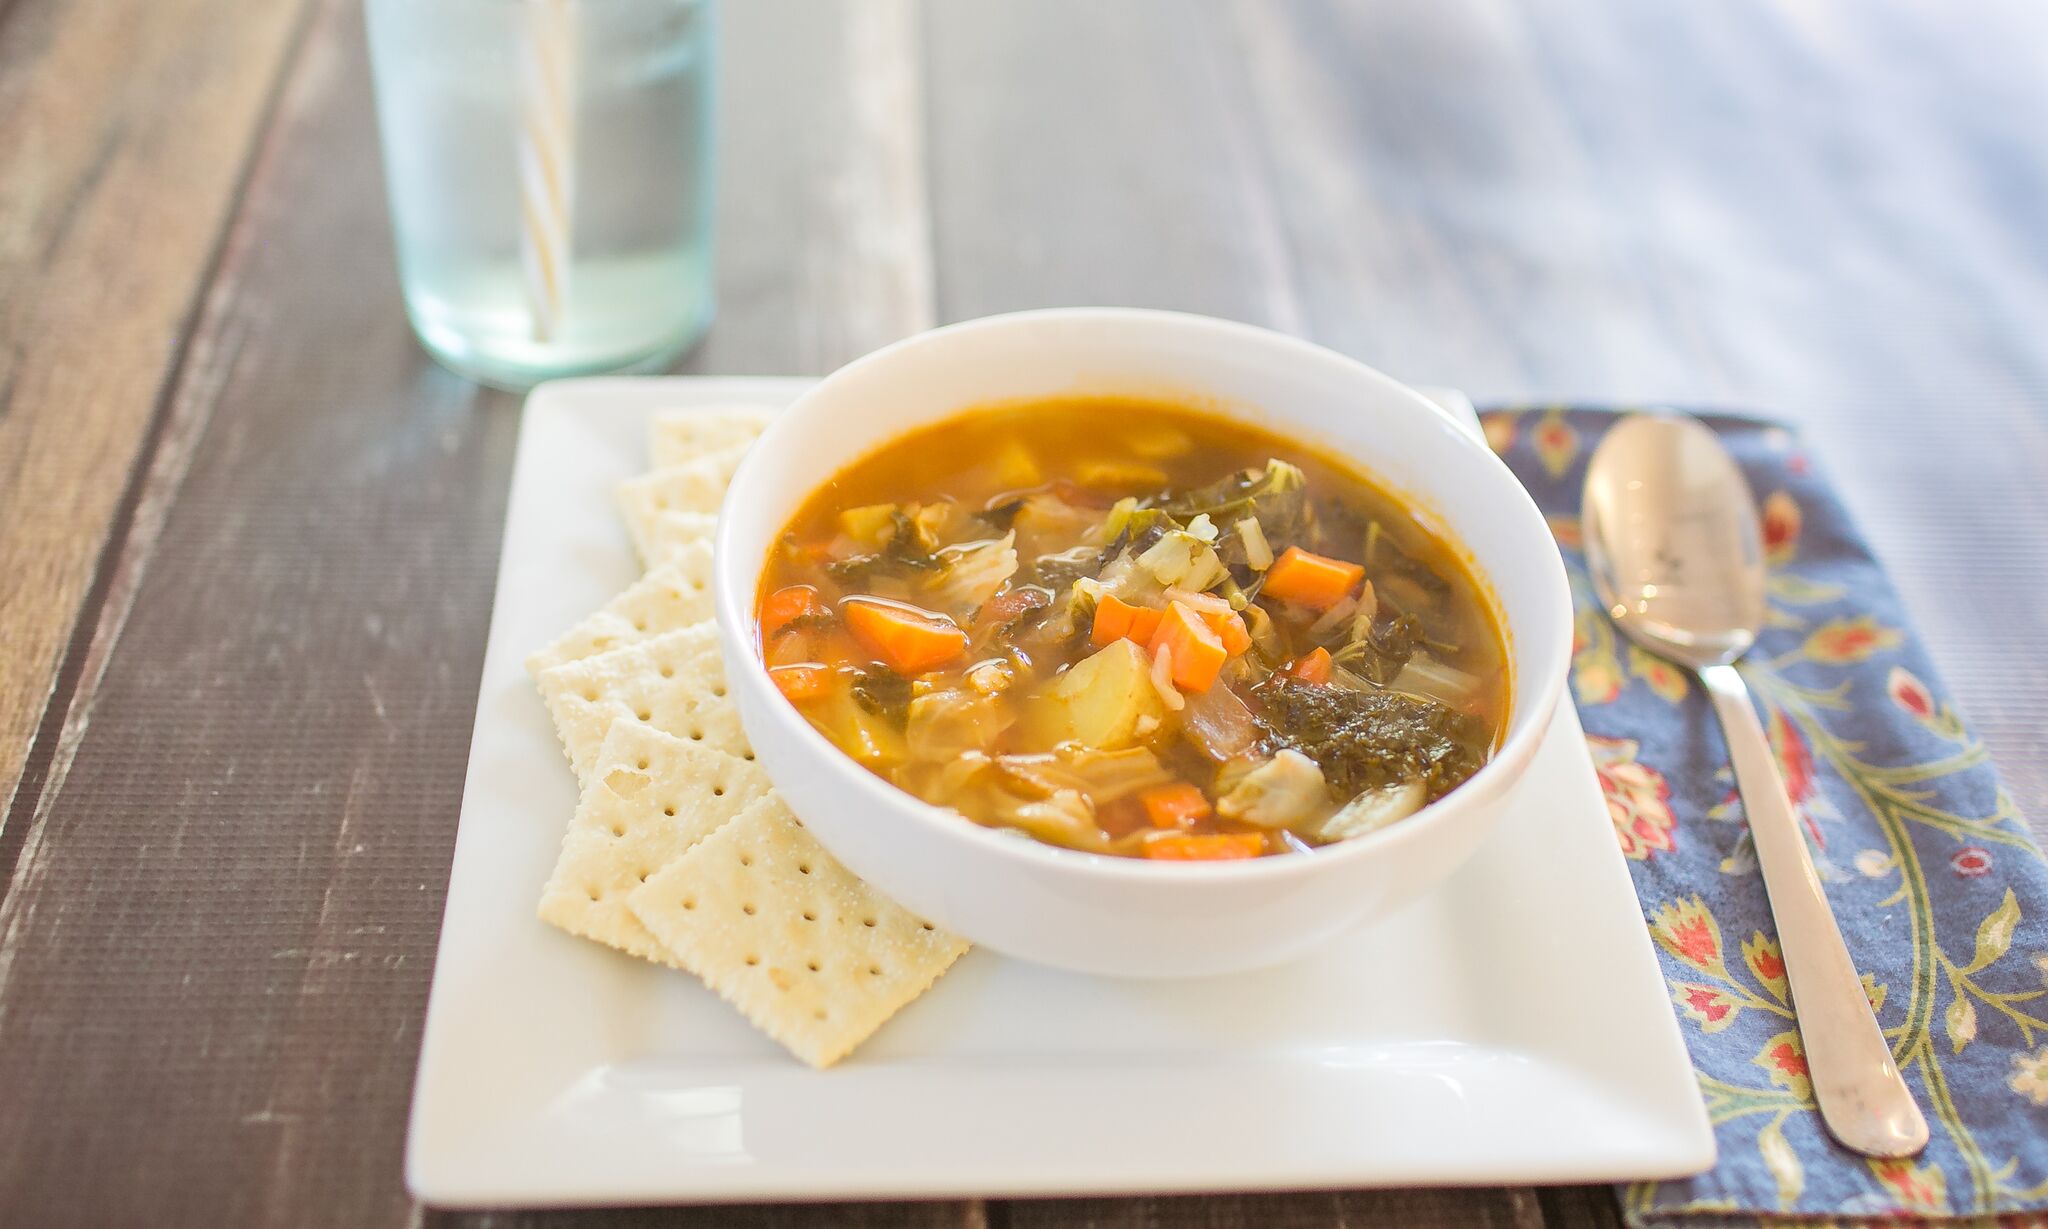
1672 541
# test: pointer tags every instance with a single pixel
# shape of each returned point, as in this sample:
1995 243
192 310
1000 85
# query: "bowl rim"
732 610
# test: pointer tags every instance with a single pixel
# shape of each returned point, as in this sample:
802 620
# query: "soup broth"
1133 628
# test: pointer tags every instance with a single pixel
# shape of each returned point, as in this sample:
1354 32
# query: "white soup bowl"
1128 916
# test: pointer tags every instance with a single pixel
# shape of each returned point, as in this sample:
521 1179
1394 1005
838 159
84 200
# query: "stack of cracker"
680 852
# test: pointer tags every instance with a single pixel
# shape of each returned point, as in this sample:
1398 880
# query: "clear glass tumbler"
549 165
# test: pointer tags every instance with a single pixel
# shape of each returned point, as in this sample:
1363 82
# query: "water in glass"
455 101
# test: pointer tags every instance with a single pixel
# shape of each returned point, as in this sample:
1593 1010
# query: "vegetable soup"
1133 628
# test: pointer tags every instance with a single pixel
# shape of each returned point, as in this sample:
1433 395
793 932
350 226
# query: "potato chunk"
1105 701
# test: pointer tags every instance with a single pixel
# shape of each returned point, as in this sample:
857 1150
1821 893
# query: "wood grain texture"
1396 1209
1581 1207
124 130
215 950
786 1216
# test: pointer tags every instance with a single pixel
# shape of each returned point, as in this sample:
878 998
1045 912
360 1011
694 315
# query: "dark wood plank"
124 130
784 1216
222 931
1580 1207
219 945
1395 1209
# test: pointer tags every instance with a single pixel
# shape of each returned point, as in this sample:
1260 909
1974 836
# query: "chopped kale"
1055 572
1003 614
1277 495
885 694
1366 739
1385 648
1003 513
816 620
906 551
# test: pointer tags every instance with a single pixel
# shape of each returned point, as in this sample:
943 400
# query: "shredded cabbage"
1374 809
971 573
1284 792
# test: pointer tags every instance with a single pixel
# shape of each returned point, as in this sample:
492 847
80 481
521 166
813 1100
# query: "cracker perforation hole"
809 916
747 909
669 811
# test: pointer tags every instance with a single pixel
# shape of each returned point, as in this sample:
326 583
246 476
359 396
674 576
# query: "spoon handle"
1862 1098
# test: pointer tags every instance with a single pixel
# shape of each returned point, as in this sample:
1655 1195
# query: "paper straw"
547 158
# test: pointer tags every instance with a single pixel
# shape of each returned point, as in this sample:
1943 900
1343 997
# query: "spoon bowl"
1673 542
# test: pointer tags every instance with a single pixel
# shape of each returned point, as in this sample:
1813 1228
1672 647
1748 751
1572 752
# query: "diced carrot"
1178 805
1310 580
1193 650
786 605
1112 619
1116 619
1225 622
1230 629
1313 667
909 639
1205 847
799 684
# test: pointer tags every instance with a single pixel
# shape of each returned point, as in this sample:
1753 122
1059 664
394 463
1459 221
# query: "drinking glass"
549 165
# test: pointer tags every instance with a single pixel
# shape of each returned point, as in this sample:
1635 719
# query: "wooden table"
248 531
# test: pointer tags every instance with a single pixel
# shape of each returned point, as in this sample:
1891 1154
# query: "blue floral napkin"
1941 893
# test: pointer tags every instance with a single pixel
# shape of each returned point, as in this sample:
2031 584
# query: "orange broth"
1094 690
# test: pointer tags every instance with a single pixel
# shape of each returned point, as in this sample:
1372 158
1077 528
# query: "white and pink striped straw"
547 158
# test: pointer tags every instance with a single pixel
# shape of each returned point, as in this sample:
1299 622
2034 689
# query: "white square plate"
1510 1028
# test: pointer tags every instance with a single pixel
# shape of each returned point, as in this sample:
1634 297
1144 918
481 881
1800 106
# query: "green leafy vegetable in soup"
1131 628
